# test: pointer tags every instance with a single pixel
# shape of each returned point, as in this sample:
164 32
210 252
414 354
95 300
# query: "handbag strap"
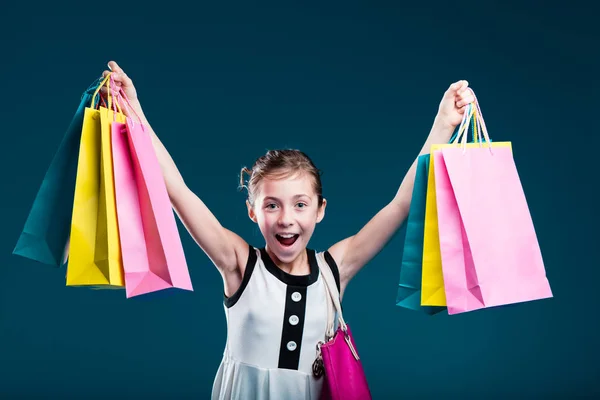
333 296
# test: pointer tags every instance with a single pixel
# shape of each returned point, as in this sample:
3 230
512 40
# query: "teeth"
287 236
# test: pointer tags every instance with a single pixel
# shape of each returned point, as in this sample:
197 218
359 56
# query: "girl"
275 300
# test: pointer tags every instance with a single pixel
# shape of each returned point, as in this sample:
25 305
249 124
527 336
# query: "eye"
271 206
302 205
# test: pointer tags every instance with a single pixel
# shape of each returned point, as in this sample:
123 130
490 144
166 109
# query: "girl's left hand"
453 104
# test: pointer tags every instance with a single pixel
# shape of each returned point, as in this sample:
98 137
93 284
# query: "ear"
251 213
321 212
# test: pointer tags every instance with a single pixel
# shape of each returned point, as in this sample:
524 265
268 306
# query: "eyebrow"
295 197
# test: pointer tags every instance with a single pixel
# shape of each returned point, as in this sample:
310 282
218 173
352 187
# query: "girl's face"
286 211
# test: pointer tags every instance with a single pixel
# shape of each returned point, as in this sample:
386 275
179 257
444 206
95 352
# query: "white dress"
274 322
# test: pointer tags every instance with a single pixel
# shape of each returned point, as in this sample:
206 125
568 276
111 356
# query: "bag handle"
333 296
329 332
481 122
102 83
470 115
122 96
114 94
463 129
111 97
479 125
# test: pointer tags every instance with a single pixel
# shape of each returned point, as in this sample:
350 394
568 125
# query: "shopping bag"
46 230
432 280
94 255
432 292
153 256
489 248
409 287
112 252
134 251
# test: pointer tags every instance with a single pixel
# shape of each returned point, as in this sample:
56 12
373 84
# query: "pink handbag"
337 358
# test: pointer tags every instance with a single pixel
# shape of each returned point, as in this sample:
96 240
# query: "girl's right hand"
124 83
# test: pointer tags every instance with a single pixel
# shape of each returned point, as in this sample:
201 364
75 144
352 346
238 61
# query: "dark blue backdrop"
356 85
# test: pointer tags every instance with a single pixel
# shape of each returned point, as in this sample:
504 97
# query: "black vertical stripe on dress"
290 359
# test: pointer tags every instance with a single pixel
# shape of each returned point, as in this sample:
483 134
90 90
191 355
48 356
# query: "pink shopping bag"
153 256
489 248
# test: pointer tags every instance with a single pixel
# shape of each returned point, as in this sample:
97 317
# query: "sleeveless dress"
274 321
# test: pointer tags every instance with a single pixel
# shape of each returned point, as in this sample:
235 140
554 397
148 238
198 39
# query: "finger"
119 76
114 67
456 86
465 91
104 92
463 85
467 97
462 109
463 101
112 87
123 79
113 84
113 80
116 82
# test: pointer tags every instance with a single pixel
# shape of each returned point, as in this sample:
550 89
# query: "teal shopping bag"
409 288
48 225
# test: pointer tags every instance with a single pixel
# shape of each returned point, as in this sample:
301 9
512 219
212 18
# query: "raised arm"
226 250
354 252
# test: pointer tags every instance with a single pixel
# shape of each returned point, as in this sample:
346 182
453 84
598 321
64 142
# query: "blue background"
355 85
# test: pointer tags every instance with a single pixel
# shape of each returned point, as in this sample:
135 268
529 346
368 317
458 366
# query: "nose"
285 218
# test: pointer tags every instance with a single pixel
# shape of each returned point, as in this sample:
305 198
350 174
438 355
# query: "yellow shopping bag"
432 284
94 254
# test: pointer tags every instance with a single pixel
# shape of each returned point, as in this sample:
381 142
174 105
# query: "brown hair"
281 164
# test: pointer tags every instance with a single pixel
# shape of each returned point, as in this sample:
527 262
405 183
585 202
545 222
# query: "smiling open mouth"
287 240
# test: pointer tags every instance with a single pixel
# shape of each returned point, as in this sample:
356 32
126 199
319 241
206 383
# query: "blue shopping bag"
48 225
409 287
